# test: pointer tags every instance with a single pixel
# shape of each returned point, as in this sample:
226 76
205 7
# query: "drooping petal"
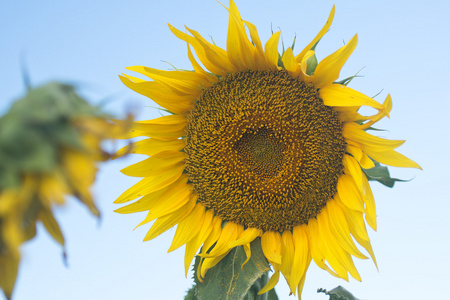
273 280
271 246
301 256
287 257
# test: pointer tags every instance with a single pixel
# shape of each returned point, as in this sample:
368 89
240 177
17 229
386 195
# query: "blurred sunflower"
50 143
263 145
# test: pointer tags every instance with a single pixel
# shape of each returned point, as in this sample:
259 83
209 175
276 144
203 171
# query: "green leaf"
228 281
381 174
191 294
338 293
311 64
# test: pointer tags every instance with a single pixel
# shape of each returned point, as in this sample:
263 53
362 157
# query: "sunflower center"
263 150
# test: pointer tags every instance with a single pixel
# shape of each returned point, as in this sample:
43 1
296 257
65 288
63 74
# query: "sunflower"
259 145
50 144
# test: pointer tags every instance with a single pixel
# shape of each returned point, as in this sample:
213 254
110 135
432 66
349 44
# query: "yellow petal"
183 82
353 132
199 50
9 266
165 223
215 54
229 233
290 64
189 227
248 254
321 33
287 257
171 126
341 95
247 236
193 245
157 164
366 245
327 71
317 255
392 158
239 48
214 235
349 193
208 263
333 253
355 221
352 168
150 147
271 283
271 246
360 156
302 282
349 113
162 95
339 227
150 184
50 223
371 214
381 114
259 58
211 78
170 201
271 51
301 256
147 202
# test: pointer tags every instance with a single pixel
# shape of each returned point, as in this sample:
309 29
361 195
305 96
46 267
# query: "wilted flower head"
50 144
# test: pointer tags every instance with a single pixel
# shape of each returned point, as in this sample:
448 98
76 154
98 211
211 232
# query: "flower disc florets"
263 150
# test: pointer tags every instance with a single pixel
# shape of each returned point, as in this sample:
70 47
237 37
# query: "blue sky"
403 48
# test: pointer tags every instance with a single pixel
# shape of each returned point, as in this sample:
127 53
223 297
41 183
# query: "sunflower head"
259 144
50 143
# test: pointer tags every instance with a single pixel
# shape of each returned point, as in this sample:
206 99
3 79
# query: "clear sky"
403 47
